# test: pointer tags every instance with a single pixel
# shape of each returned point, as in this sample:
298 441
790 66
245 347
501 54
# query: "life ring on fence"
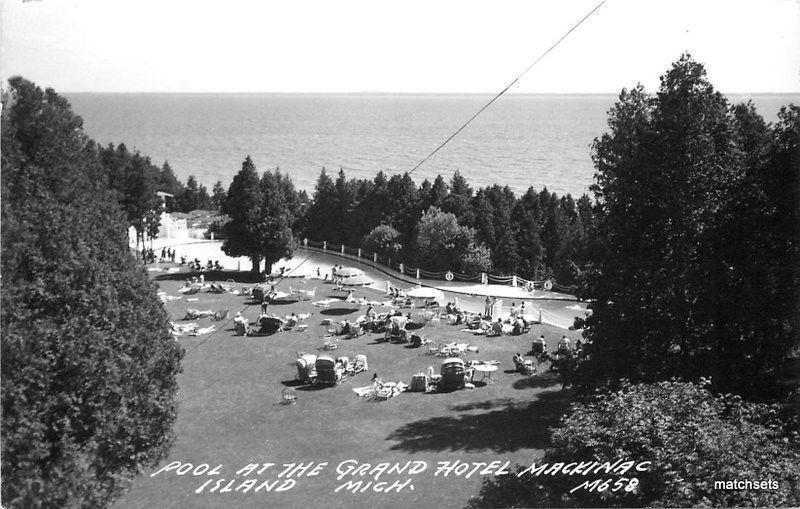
448 275
548 285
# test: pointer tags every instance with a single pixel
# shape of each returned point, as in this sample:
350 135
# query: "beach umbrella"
359 280
425 293
346 272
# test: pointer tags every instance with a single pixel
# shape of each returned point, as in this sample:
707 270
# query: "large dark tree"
682 185
402 208
243 206
88 364
320 222
279 208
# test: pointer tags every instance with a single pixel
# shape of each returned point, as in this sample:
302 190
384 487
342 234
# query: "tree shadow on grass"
507 428
337 311
483 405
538 381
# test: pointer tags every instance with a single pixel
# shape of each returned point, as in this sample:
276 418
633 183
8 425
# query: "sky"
395 46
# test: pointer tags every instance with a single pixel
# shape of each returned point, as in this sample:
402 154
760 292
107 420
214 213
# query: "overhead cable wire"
551 48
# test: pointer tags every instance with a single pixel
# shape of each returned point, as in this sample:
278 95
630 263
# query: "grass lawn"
230 413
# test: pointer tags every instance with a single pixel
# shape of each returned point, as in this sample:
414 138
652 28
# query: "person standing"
487 308
565 346
264 303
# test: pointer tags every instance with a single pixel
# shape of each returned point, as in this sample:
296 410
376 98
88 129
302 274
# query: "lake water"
519 141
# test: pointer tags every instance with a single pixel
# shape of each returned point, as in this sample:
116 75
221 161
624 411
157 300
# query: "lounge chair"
306 367
241 327
383 393
327 371
452 371
523 366
360 364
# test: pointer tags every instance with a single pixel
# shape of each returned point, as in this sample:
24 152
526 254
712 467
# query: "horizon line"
367 92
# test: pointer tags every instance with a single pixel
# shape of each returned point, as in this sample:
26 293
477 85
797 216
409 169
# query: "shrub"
691 437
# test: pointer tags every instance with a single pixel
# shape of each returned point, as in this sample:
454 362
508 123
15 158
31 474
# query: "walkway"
557 309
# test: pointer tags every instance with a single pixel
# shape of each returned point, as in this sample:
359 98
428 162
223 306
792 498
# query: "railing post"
374 257
342 249
484 279
305 242
401 268
359 252
514 280
324 245
417 273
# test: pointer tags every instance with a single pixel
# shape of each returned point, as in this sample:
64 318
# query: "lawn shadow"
541 381
482 405
337 311
508 427
312 387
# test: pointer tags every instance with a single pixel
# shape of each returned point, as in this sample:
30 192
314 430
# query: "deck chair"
383 393
330 343
222 314
523 366
360 364
433 348
288 396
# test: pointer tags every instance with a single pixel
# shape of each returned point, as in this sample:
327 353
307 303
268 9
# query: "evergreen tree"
243 206
458 202
320 222
278 209
526 224
89 365
169 183
218 194
402 208
675 196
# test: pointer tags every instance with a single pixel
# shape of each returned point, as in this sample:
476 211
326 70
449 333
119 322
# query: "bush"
383 240
692 438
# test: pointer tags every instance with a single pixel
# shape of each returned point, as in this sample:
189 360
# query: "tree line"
443 225
437 226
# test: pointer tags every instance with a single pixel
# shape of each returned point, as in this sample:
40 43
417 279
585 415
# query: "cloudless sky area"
395 46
